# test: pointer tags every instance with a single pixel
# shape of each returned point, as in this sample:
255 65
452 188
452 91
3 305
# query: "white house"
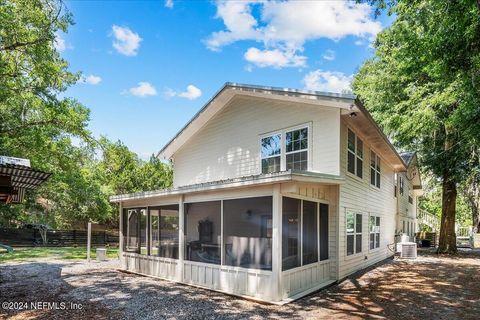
276 193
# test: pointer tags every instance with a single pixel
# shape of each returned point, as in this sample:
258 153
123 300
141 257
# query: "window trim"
377 163
355 233
283 146
376 246
355 174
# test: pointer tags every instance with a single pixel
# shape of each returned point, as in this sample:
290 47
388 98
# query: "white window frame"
356 155
272 156
376 230
283 147
354 233
377 162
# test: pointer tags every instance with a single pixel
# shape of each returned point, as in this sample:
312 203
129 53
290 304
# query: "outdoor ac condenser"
409 250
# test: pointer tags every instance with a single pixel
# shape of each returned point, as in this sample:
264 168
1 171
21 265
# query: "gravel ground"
431 287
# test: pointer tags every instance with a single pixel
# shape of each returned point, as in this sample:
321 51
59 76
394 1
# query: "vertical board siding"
149 265
228 146
303 278
361 197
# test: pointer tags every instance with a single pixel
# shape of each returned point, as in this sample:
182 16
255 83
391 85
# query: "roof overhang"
16 176
230 90
254 180
363 122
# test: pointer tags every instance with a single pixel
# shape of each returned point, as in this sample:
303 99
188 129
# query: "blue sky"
149 66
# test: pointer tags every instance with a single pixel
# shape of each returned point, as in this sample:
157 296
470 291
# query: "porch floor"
432 286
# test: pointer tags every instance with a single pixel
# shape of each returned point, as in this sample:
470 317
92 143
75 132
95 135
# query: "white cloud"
191 93
59 43
90 79
329 55
274 58
126 41
359 43
144 89
328 81
278 29
169 4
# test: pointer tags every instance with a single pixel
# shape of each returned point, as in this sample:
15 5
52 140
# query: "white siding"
229 145
359 196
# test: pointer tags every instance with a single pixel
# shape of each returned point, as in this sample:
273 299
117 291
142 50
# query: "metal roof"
407 156
23 176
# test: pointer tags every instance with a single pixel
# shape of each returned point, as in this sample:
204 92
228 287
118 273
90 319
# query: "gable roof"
348 103
407 157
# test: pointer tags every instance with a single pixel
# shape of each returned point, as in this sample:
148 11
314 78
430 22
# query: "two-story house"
276 193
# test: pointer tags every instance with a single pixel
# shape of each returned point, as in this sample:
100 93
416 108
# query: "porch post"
181 239
276 285
120 230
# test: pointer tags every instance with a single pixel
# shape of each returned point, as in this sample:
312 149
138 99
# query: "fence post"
89 236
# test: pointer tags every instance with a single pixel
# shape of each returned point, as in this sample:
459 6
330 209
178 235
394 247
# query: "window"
296 147
403 229
410 199
302 244
401 182
287 150
354 154
374 169
271 153
164 231
374 227
354 233
247 232
203 231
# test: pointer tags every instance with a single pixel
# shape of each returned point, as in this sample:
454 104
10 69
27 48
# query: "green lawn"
67 253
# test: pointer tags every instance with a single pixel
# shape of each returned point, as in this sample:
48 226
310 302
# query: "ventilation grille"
409 250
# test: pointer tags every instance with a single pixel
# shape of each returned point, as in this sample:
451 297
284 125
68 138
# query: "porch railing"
428 219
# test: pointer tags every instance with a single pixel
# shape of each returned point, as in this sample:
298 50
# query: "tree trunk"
448 241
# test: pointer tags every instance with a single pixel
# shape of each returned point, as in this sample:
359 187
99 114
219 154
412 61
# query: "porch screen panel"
291 233
247 229
143 230
154 231
323 231
131 230
310 240
203 231
169 232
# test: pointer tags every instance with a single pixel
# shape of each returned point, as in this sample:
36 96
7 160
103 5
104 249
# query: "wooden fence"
34 237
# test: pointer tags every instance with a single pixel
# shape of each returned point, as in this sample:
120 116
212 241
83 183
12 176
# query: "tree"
423 87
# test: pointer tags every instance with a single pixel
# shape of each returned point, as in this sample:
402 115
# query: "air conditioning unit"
408 250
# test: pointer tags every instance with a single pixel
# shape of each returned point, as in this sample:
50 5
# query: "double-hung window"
374 169
271 153
285 150
354 233
296 144
374 227
354 154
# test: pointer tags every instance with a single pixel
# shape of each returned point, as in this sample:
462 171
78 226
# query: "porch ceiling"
254 180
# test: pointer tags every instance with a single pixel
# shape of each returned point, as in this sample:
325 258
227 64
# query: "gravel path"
431 287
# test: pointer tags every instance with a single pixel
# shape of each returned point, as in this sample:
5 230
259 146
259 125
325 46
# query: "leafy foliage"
37 122
423 87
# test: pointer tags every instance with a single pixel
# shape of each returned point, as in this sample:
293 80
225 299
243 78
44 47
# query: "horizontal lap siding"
228 146
358 195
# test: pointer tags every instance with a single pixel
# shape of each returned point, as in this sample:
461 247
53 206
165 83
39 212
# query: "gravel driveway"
430 287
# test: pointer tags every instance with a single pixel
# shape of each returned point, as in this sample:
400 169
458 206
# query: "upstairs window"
401 183
285 150
296 144
271 153
374 169
354 154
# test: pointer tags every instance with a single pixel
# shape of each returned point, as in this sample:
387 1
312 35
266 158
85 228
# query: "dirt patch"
431 287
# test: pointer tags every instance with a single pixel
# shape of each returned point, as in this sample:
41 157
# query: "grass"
64 253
